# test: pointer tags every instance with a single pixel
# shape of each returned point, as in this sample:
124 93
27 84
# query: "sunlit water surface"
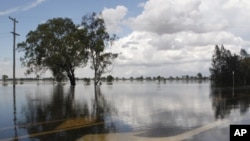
46 111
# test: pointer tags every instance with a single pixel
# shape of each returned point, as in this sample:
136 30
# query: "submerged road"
134 136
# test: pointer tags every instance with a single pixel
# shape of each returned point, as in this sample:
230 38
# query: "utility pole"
14 49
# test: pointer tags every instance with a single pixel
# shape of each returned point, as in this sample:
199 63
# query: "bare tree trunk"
71 76
96 78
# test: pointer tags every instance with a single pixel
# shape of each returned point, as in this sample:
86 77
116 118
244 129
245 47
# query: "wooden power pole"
14 49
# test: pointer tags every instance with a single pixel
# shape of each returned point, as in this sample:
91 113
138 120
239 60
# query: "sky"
156 37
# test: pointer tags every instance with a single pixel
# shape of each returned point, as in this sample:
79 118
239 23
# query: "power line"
14 49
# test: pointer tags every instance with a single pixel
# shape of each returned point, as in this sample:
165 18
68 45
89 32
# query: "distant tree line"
230 69
162 78
110 78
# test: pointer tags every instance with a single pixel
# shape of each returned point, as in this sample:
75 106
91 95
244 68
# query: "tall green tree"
57 45
225 67
98 40
245 66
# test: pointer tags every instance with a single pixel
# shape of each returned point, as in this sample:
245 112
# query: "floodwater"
124 110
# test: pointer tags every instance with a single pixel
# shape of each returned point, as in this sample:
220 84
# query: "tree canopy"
98 40
228 69
61 46
58 45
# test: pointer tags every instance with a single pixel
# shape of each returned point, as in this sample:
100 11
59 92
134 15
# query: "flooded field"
124 110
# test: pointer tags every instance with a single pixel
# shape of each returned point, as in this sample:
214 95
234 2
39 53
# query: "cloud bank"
178 37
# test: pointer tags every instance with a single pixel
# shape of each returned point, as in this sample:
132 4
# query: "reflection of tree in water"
61 112
226 99
103 110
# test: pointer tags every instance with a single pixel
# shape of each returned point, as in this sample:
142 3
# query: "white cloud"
9 11
113 18
32 5
178 37
165 16
190 39
187 52
22 8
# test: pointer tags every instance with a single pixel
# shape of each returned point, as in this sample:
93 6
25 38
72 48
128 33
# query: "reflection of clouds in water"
153 108
173 105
